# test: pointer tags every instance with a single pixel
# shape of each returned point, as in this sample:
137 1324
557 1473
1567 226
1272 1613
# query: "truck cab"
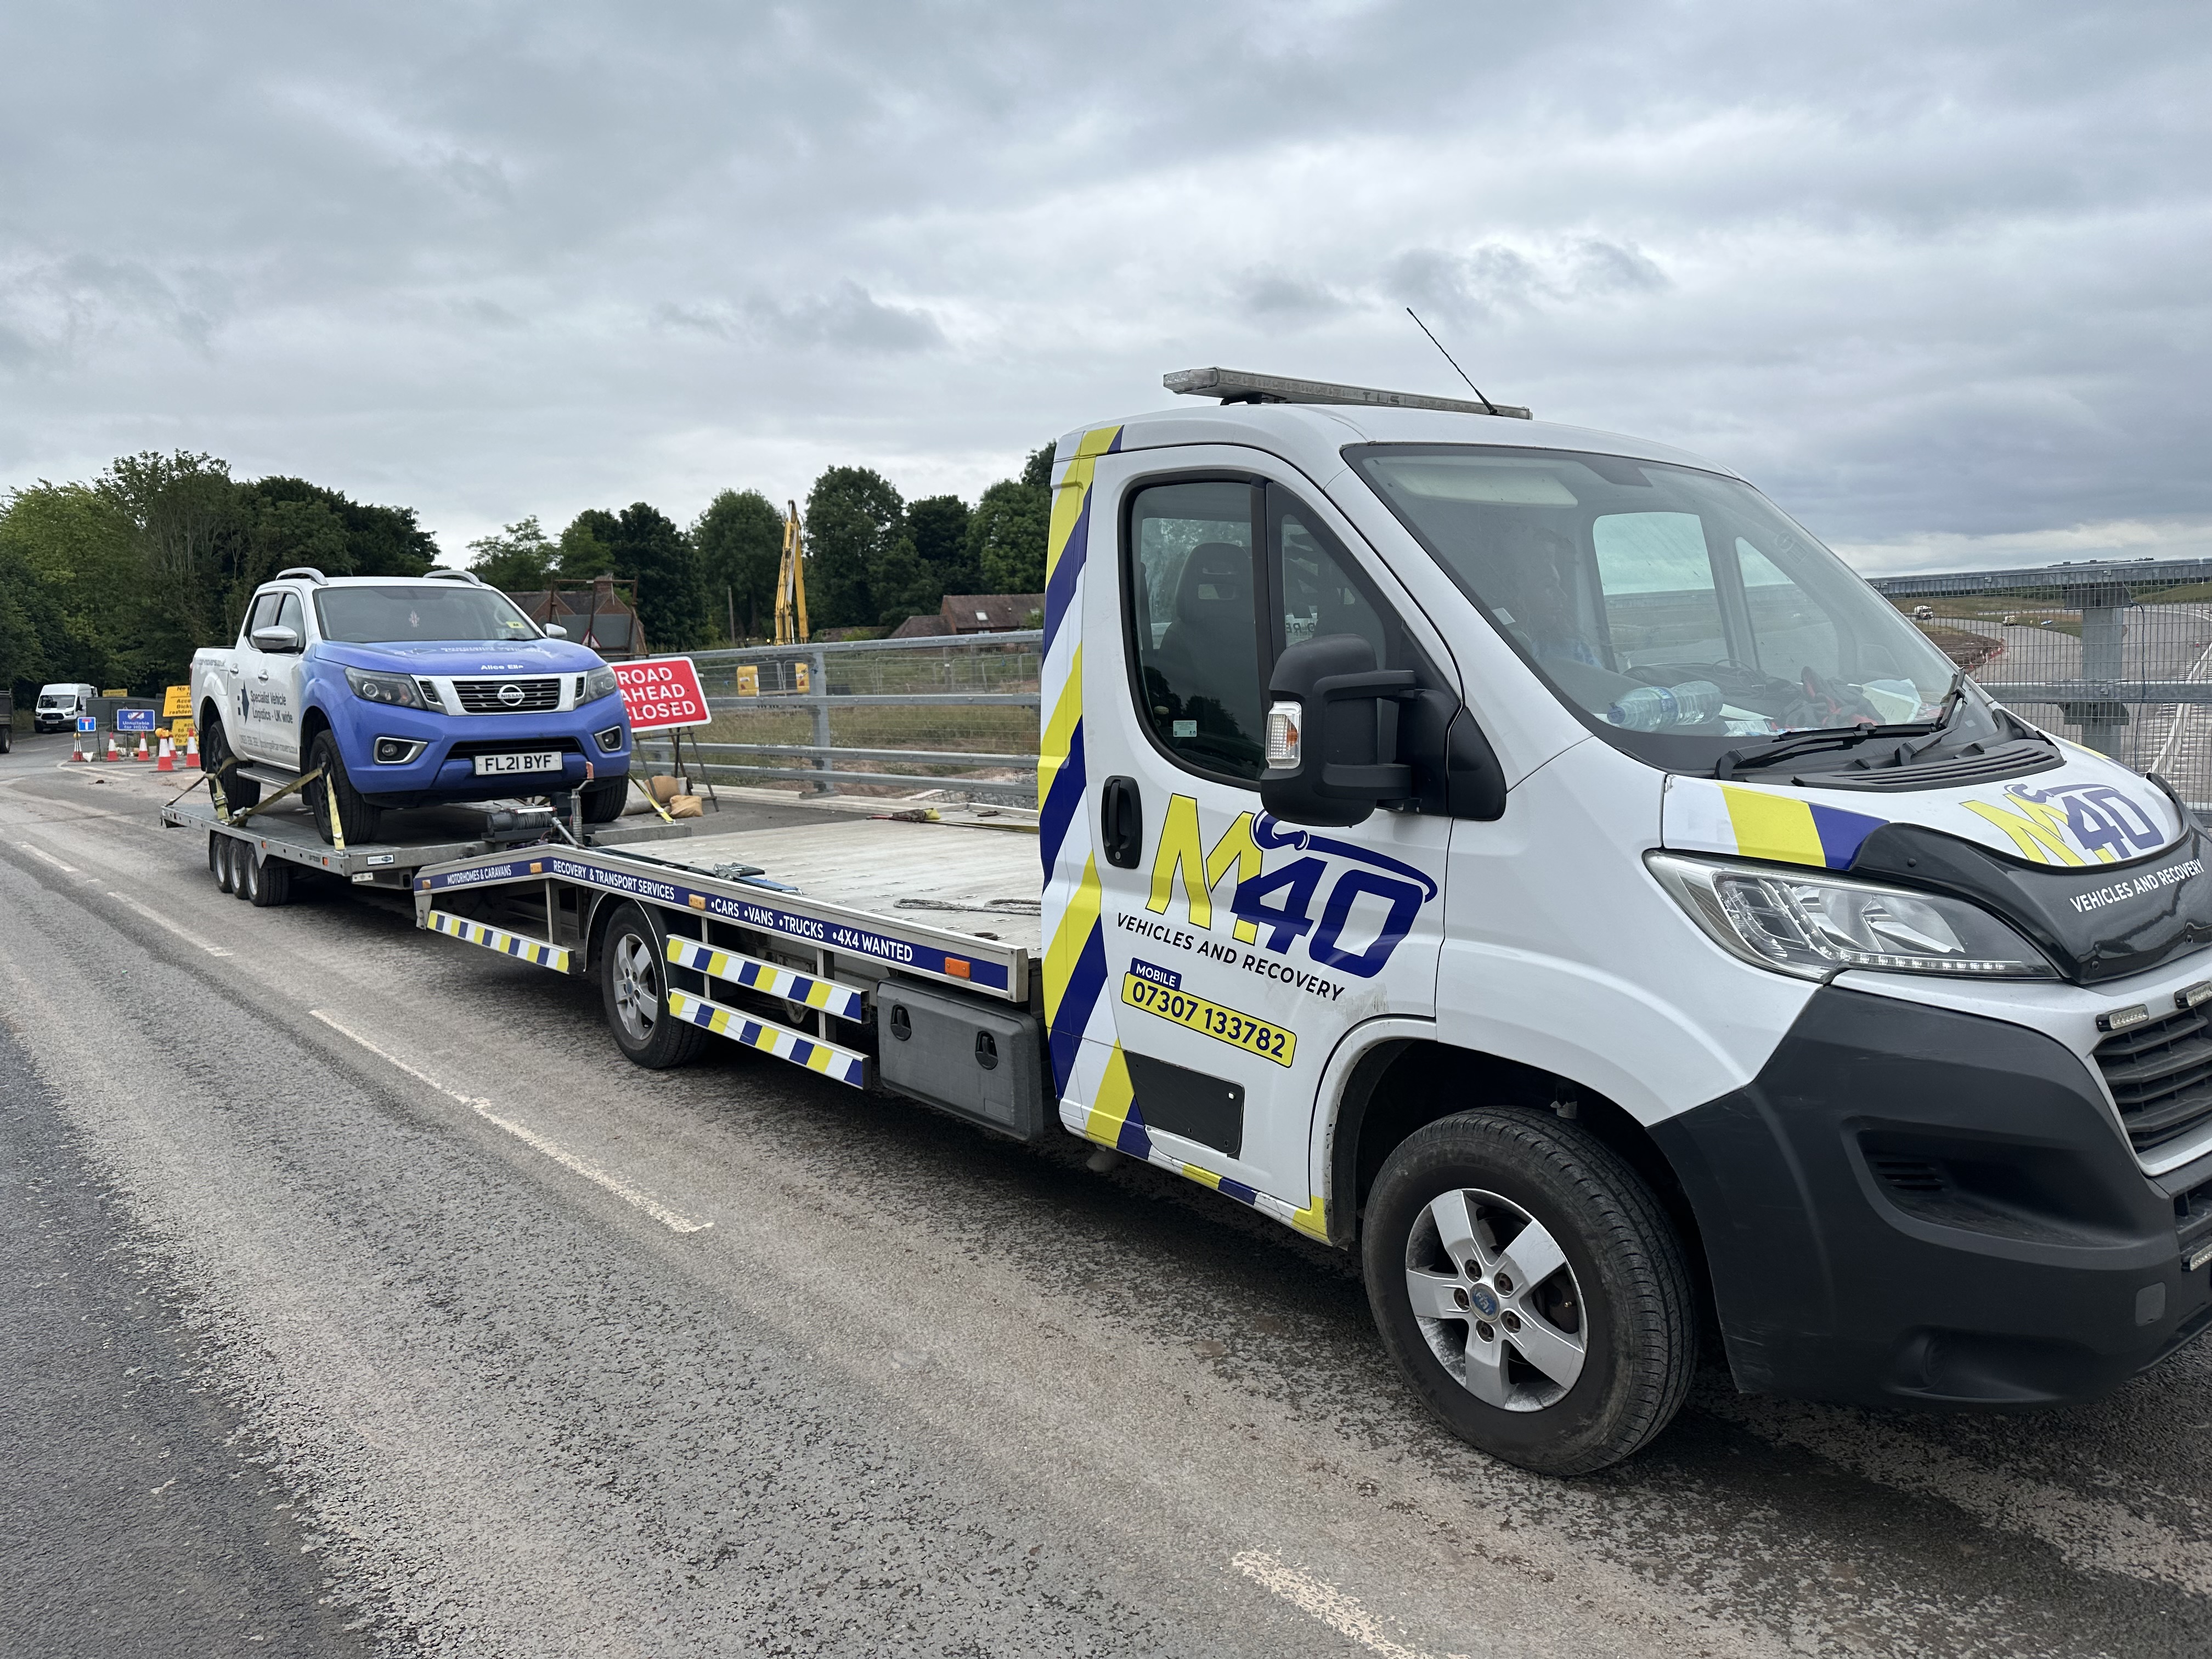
1526 855
394 692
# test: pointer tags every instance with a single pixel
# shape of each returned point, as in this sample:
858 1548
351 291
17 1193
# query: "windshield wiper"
1844 737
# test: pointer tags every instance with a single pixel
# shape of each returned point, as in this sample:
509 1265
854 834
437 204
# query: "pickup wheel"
356 816
1530 1288
603 799
215 750
634 982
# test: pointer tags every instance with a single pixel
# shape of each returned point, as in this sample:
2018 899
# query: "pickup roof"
398 692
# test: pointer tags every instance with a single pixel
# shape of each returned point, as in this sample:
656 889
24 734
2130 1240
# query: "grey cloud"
848 316
1922 270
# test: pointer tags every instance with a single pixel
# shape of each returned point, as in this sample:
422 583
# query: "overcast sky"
1934 276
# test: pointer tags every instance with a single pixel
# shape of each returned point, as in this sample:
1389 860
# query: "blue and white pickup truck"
406 691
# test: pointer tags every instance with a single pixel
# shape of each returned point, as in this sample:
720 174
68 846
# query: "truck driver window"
1318 593
1194 624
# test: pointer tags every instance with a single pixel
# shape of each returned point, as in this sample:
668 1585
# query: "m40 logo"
2073 823
1277 909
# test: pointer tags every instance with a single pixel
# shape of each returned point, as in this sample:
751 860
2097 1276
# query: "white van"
60 703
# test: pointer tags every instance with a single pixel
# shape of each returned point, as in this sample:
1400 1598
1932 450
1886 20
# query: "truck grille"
2161 1076
495 697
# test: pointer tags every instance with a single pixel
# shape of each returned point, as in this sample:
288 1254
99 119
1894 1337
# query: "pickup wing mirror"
555 631
1325 760
276 639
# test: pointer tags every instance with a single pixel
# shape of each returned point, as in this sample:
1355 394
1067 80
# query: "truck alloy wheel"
1530 1288
246 872
634 983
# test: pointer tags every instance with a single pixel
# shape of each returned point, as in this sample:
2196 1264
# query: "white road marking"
1323 1601
160 920
529 1137
46 857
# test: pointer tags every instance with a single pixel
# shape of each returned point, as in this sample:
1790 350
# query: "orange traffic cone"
168 762
77 748
110 754
142 754
193 749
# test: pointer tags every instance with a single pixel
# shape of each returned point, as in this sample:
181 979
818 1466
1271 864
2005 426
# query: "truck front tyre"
1530 1288
215 750
633 984
603 800
334 791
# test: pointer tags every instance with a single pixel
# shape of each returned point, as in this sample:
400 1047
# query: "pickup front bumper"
1910 1205
441 750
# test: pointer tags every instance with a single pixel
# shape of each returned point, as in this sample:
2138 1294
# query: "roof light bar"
1236 385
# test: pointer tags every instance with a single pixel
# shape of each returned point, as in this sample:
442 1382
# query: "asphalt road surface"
453 1332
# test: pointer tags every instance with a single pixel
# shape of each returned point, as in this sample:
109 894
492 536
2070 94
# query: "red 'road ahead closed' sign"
659 692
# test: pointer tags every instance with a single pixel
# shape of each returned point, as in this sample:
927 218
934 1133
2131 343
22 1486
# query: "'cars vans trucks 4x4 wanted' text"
1525 857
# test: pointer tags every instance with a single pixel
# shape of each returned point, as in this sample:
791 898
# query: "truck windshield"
1679 612
385 616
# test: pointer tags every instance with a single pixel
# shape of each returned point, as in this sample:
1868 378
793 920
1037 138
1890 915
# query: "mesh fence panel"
2025 642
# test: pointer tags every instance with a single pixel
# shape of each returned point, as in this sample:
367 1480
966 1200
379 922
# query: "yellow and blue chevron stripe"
1757 823
554 957
755 975
841 1064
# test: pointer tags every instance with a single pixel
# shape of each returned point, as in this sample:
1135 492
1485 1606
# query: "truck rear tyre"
334 791
219 846
245 873
215 750
634 983
1530 1288
603 800
272 882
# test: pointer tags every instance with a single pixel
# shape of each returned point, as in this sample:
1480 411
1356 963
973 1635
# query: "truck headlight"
1817 925
599 682
392 690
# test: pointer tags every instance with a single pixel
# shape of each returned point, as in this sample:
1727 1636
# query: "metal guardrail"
851 683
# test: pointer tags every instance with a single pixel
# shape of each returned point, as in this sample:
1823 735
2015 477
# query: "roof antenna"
1487 405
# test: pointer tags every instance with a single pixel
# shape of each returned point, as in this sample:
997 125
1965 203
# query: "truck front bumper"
1913 1205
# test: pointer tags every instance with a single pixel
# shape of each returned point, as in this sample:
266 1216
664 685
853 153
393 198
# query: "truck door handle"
1121 823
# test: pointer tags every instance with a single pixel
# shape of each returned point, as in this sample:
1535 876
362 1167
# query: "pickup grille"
2161 1076
530 696
470 748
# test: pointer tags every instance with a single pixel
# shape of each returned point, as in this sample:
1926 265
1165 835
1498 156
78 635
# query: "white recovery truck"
1523 855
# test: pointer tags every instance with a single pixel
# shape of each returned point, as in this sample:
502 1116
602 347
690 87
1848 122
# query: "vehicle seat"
1211 640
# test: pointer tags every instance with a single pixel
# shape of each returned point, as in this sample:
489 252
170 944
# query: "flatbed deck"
415 838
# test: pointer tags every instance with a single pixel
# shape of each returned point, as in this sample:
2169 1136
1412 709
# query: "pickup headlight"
599 682
392 690
1817 925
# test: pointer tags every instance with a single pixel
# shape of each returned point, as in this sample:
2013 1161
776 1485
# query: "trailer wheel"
245 873
272 882
1530 1288
334 791
634 983
215 750
219 846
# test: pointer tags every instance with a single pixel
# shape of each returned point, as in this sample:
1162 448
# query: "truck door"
1237 950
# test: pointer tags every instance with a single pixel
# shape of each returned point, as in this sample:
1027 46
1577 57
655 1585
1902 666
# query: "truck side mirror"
1325 761
276 639
555 631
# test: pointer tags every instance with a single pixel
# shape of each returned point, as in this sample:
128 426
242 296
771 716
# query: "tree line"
118 579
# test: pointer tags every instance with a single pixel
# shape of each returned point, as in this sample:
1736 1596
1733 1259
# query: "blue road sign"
134 720
88 723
